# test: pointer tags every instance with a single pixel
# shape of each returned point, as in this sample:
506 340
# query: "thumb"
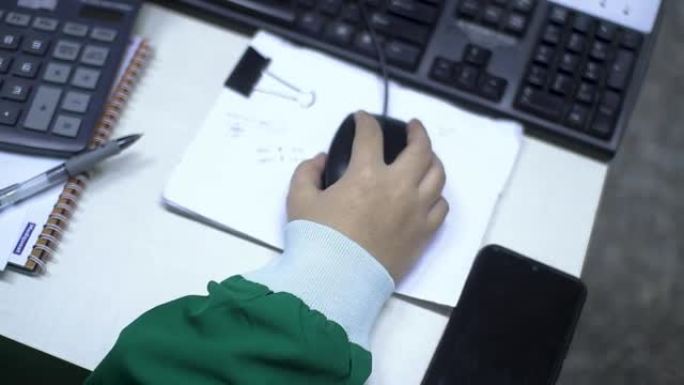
307 176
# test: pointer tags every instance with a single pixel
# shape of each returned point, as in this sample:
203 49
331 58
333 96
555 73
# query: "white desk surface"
124 253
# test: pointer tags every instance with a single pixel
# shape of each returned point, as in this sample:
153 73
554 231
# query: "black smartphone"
512 325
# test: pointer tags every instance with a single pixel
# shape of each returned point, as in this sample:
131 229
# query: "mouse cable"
381 56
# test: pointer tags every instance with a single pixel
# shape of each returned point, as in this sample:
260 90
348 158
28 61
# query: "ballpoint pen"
72 167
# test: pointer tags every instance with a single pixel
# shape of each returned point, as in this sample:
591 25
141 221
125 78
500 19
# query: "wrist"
331 274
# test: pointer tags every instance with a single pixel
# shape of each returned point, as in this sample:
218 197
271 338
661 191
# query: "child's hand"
391 211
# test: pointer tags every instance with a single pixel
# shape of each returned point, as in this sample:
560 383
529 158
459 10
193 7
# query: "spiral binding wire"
64 209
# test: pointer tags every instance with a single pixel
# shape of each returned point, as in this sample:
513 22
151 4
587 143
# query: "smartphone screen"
512 325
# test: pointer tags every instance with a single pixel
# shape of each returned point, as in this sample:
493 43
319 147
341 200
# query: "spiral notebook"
18 226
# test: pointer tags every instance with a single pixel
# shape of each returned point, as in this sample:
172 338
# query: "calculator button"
9 114
95 56
75 29
35 46
42 108
57 73
66 50
25 67
18 19
5 61
103 34
76 101
9 41
66 126
45 24
15 90
85 78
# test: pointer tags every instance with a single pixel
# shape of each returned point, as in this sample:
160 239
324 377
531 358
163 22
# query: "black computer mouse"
394 141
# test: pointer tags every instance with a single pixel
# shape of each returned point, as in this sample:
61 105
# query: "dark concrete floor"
632 328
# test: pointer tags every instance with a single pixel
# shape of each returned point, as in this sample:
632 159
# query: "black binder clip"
247 74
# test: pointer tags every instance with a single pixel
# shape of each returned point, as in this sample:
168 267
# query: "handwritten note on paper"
237 170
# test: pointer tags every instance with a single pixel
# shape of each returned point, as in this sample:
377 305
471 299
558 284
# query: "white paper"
237 170
636 14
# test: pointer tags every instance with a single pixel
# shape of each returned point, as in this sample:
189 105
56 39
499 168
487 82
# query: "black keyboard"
568 76
58 61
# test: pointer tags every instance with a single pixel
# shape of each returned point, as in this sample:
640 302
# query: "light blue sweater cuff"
331 274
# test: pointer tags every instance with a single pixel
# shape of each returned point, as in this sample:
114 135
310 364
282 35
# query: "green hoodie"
303 319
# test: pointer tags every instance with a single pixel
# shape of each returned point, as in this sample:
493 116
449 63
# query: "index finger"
368 141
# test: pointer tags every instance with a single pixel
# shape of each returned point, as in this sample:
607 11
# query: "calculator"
58 62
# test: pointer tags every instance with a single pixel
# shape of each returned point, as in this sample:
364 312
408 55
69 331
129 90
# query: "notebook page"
237 170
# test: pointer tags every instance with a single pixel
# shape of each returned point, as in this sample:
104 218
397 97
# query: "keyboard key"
364 43
66 126
516 23
524 6
66 50
442 70
57 73
621 69
339 32
577 117
9 41
586 93
605 31
492 15
5 61
25 67
93 55
544 55
9 113
76 101
307 3
402 29
331 7
470 9
45 24
18 19
577 43
569 63
15 90
562 84
311 23
42 108
552 35
538 76
85 78
35 46
610 103
559 15
476 55
541 103
492 87
599 51
351 13
602 126
582 23
103 34
593 71
412 9
466 77
75 29
631 39
401 54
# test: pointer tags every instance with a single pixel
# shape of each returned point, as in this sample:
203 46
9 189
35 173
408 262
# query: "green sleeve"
241 333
